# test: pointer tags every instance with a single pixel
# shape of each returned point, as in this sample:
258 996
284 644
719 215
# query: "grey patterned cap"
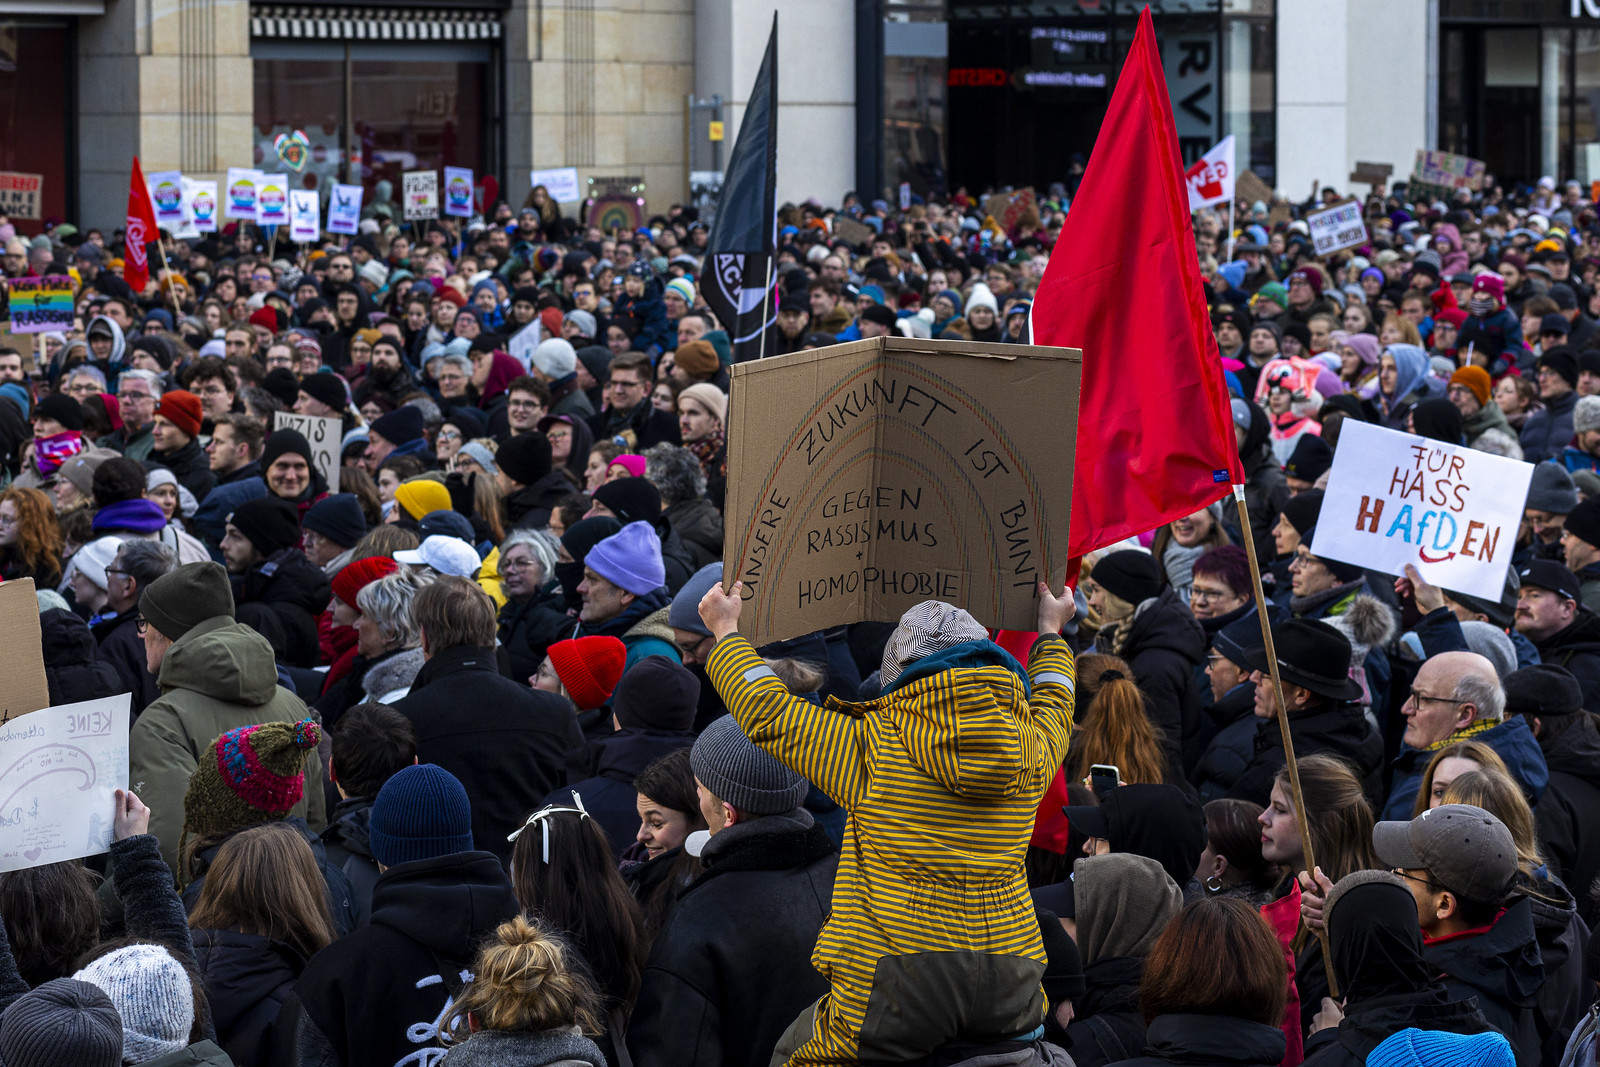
731 766
929 627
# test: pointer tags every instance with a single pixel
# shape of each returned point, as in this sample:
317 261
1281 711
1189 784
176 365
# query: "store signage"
977 78
19 194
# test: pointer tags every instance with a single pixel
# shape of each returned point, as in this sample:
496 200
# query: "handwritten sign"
241 195
1449 171
421 194
1340 226
59 769
23 686
39 305
560 182
458 192
1395 498
324 434
19 194
867 477
304 215
1007 208
344 209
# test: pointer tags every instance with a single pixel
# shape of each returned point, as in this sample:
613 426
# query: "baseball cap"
1467 850
447 555
1548 574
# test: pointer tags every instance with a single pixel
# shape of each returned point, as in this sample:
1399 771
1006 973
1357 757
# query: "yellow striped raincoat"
933 936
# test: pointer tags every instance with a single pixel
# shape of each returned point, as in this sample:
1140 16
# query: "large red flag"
141 230
1155 433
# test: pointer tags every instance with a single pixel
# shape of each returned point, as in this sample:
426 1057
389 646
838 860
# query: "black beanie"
327 388
657 693
268 522
1544 691
1345 572
337 517
281 441
1303 509
1310 459
282 385
1063 969
1129 574
1583 521
526 295
525 458
183 598
630 499
879 314
1562 360
401 426
61 407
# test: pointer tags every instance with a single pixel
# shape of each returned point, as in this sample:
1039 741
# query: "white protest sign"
458 192
561 183
1340 226
200 204
324 434
272 200
242 185
1211 179
1395 498
304 215
421 194
524 342
344 209
61 767
166 196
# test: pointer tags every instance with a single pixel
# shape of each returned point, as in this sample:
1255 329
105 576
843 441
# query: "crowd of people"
467 761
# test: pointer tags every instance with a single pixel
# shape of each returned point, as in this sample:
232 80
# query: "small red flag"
1155 432
141 230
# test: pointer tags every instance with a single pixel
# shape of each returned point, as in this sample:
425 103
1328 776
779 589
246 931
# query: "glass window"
1249 89
1582 105
35 121
916 47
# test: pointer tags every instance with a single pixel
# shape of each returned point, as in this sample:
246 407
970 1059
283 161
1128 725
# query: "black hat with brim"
1312 655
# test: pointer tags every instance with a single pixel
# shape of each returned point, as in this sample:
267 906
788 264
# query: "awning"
371 24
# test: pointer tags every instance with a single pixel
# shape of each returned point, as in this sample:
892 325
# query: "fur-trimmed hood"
394 673
1368 622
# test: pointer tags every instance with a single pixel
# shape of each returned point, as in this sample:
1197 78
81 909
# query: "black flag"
737 275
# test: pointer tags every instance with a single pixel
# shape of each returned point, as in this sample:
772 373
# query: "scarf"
1178 562
1482 305
50 452
1482 726
706 449
1304 605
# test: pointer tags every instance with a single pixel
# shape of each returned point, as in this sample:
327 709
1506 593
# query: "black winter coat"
1338 729
190 465
1165 645
1577 648
1209 1041
346 841
376 996
1569 811
340 904
1367 1025
1266 491
71 668
1107 1026
1566 993
698 525
247 978
527 630
1503 970
1233 745
529 508
649 426
732 968
121 646
297 591
507 743
605 774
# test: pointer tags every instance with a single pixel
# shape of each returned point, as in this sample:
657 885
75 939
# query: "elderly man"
1455 697
1551 614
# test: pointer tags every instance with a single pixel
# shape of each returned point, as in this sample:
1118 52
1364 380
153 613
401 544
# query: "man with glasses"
1457 697
213 382
527 401
341 272
136 564
137 392
628 411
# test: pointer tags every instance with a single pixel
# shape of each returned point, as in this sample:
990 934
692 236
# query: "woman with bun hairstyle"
1115 727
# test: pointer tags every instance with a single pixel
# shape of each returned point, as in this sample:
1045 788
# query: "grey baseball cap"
1467 850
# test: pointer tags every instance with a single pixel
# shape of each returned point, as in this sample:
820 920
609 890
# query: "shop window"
36 112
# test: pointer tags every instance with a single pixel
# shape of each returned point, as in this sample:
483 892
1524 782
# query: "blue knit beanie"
421 813
630 559
685 611
1434 1048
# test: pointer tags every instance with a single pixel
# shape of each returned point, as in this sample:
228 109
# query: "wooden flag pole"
1306 846
172 287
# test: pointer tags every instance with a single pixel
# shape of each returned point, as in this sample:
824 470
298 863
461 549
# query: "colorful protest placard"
1395 498
20 194
305 215
1340 226
202 205
272 200
561 183
39 305
324 435
61 769
1449 171
421 194
344 209
458 192
866 477
166 196
241 201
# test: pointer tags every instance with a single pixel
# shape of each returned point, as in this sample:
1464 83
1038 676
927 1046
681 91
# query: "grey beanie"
62 1023
685 611
733 769
926 628
153 995
1551 489
1586 415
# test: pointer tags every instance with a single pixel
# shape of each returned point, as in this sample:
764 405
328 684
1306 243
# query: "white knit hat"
152 993
93 558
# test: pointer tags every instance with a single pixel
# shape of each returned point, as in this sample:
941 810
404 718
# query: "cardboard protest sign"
1007 208
324 434
241 203
20 194
59 770
561 183
867 477
1340 226
857 233
272 200
421 194
1396 498
1250 187
1449 171
40 304
305 215
202 205
344 209
458 192
23 688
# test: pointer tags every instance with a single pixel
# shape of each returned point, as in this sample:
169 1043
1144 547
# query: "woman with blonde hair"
529 1002
1114 727
1450 763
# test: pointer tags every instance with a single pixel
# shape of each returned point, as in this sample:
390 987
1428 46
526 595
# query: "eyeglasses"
1401 872
692 648
1207 595
449 435
518 564
114 570
1422 698
142 625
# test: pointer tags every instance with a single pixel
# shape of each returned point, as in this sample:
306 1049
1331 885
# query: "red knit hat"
349 582
451 296
181 408
266 318
589 668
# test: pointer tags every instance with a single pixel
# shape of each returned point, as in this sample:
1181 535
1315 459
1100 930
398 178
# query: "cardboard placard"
40 304
458 192
20 194
1250 187
324 434
867 477
344 209
857 233
1451 511
1340 226
23 688
61 768
421 194
1007 208
560 182
1449 171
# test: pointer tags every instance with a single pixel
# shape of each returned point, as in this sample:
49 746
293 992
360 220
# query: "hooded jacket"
1502 968
941 777
1231 747
1511 740
347 844
1577 648
1209 1041
1569 812
528 628
246 978
71 668
191 466
1567 991
1165 646
297 592
606 784
215 678
529 508
378 996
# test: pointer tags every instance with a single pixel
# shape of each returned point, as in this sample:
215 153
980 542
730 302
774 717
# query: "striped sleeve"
1053 676
823 745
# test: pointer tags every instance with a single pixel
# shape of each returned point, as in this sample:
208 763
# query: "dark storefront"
38 111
